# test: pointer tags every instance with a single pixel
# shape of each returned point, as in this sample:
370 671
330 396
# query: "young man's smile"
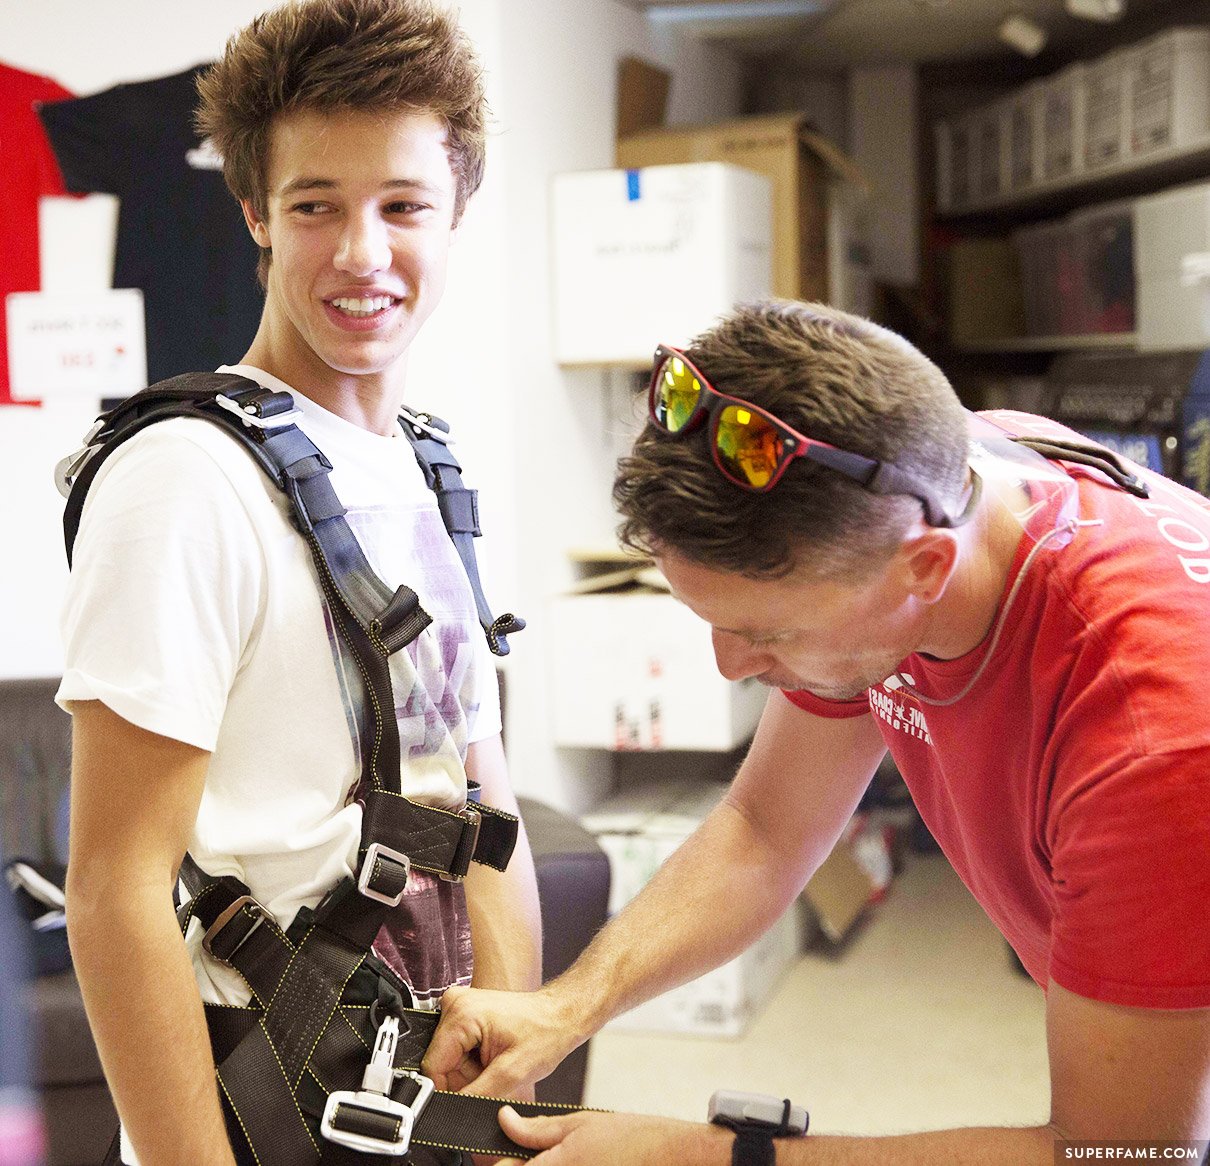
359 220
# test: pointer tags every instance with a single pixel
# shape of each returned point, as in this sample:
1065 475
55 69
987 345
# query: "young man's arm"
1117 1074
723 888
135 797
506 925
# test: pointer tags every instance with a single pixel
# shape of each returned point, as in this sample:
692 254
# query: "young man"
1030 642
214 706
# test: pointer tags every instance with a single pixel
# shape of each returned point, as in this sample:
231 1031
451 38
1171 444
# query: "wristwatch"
756 1118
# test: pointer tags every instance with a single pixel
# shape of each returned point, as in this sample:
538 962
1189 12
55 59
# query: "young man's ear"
257 225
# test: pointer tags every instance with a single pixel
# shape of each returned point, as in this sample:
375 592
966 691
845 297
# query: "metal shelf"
1127 340
1162 167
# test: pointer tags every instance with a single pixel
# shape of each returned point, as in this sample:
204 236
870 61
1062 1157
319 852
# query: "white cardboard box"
656 255
635 670
638 829
1170 312
1170 87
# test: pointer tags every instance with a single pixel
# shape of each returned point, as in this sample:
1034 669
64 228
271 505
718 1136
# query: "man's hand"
499 1043
615 1139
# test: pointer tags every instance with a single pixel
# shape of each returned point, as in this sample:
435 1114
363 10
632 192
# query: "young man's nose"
737 659
364 246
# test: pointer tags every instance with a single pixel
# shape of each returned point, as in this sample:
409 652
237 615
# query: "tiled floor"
921 1023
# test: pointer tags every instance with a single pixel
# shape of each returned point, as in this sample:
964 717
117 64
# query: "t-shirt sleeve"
166 588
1131 881
90 140
835 710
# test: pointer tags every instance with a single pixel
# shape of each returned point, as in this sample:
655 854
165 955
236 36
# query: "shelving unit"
1044 344
1135 175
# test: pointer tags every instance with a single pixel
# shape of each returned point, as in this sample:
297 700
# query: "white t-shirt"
194 611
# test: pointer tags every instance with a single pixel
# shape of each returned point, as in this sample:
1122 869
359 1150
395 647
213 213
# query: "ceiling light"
1022 34
1104 10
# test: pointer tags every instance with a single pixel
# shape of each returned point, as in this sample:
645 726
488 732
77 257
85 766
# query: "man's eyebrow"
308 182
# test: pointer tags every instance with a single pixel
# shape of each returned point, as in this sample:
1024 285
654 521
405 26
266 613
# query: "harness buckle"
369 868
257 915
461 862
355 1118
248 415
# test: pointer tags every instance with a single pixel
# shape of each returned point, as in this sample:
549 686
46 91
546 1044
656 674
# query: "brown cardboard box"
801 164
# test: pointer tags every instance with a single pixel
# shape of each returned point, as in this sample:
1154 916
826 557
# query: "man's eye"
308 208
405 208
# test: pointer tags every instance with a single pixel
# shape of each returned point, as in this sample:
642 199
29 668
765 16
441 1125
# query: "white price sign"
91 344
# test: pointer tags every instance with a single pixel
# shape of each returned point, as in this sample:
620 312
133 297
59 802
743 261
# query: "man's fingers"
497 1079
536 1133
450 1058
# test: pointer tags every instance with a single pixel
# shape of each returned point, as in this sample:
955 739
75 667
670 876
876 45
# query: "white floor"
920 1023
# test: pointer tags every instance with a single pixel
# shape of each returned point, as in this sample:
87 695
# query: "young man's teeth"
358 307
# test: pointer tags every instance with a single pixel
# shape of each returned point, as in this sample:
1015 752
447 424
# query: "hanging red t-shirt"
29 172
1070 787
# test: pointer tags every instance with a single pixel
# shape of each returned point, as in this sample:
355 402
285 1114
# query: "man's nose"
364 246
737 659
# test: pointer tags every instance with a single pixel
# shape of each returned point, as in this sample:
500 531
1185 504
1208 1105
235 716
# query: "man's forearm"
978 1147
149 1025
713 898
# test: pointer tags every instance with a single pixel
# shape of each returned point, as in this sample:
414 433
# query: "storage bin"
991 135
1063 123
1105 251
955 139
1037 257
1107 109
1025 109
1168 226
1170 85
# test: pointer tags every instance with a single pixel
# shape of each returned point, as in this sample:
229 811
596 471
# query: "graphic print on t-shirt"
891 702
433 685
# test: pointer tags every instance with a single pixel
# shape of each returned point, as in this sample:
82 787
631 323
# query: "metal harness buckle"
373 1100
212 932
376 851
473 819
248 417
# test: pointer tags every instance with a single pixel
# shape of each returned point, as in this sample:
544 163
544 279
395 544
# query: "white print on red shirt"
896 711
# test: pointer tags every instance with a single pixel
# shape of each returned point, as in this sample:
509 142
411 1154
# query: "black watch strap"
753 1147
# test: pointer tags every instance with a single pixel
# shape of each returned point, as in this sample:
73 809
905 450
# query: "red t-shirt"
29 172
1071 787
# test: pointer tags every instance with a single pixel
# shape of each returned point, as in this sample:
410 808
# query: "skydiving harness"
323 1064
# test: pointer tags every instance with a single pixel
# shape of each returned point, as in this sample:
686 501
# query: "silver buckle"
373 1097
230 913
68 468
249 418
473 819
376 851
405 1115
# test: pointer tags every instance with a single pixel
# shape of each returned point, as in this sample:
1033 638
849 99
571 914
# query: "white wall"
540 442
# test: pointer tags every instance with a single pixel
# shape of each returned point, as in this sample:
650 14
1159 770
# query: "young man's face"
360 222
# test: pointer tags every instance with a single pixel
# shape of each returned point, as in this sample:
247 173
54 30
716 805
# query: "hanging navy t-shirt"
181 236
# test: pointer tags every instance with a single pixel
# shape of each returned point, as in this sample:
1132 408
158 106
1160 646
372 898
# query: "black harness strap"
279 1060
460 513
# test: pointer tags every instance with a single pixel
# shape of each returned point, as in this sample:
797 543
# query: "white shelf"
1167 163
1126 340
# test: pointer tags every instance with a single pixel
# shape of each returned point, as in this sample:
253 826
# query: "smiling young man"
215 704
1029 638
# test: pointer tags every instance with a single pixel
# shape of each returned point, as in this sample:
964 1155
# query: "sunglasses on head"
753 449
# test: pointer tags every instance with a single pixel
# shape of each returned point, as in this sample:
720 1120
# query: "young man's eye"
405 208
309 208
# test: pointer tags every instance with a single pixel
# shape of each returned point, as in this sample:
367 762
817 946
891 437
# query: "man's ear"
257 225
929 559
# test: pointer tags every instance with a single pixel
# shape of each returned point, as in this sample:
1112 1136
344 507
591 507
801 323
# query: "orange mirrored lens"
677 392
749 448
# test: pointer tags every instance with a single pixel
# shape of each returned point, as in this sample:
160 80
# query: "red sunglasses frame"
879 477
